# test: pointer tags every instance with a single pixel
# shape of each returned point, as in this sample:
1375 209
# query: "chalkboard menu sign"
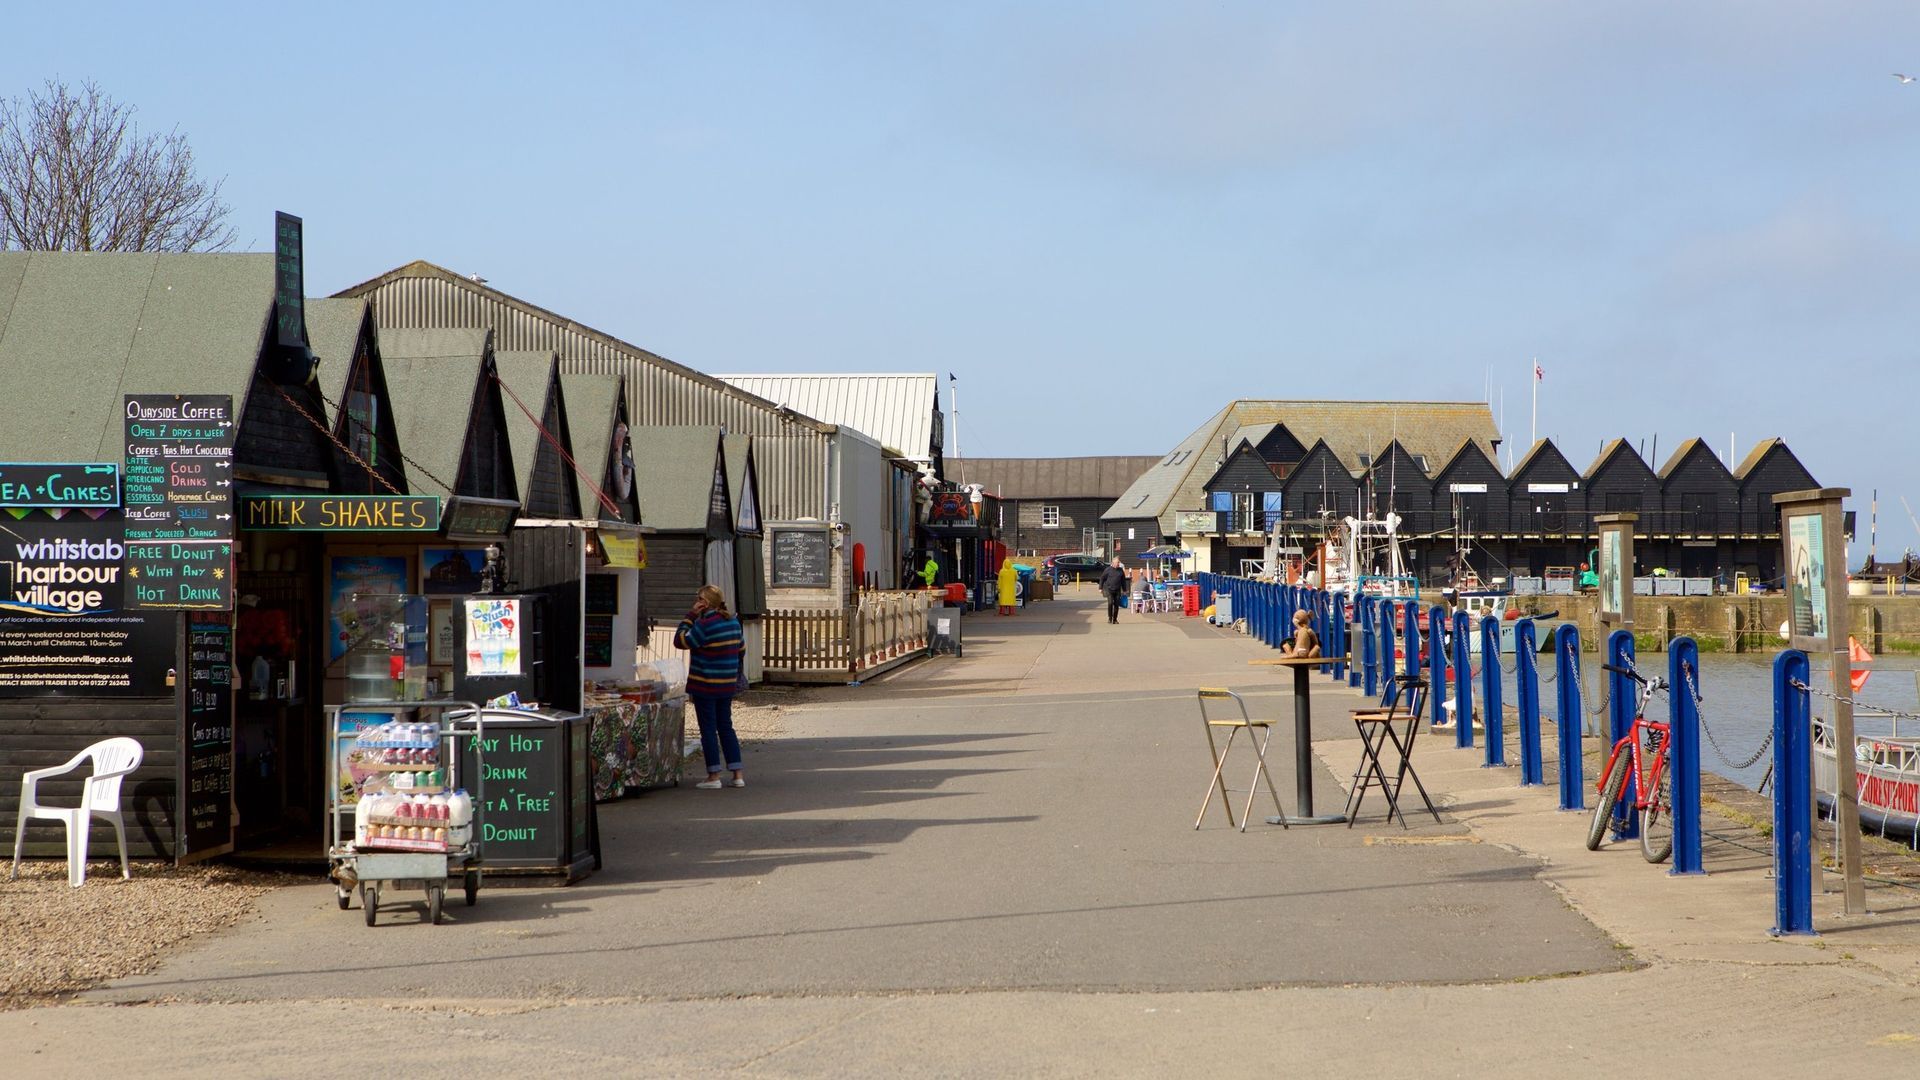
523 819
178 521
603 594
179 467
802 558
597 649
206 783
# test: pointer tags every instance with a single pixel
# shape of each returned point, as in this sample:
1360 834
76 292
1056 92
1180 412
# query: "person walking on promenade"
931 570
1113 582
1008 586
715 676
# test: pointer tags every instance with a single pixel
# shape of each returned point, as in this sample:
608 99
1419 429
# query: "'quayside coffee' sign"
178 520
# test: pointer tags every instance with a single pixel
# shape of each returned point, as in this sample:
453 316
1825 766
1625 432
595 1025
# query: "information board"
206 783
802 558
289 281
523 818
597 648
64 627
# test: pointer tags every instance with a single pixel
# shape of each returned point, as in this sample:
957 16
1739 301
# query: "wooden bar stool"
1259 733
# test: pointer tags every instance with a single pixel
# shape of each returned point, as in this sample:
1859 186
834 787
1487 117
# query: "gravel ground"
56 941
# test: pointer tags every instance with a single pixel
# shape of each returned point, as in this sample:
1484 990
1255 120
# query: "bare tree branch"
76 174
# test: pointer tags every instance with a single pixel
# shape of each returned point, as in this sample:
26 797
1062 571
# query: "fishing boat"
1888 769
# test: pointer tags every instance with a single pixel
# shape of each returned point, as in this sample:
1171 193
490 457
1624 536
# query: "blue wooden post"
1566 668
1526 692
1683 760
1622 695
1490 691
1436 662
1792 796
1462 681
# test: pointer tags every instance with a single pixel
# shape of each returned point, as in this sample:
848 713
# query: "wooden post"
1818 619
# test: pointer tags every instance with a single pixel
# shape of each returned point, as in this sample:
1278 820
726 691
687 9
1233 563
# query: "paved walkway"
988 866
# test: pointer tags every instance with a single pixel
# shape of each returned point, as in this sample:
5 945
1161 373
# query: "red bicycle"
1643 754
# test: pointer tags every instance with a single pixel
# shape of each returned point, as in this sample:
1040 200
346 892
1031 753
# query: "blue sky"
1110 218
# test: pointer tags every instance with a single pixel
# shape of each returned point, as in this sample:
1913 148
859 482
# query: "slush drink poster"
493 637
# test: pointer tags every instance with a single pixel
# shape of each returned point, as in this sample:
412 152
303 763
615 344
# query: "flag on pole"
1538 375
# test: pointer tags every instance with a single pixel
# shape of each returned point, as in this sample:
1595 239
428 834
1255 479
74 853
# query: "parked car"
1074 567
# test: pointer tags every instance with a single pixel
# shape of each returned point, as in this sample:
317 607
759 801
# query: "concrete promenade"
987 866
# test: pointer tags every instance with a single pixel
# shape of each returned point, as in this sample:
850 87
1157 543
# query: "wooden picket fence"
883 629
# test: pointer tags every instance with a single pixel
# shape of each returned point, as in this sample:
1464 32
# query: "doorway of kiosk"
278 658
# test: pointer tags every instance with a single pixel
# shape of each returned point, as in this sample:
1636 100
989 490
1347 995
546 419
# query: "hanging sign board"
61 484
179 467
1194 521
176 574
625 550
206 782
802 558
289 281
340 513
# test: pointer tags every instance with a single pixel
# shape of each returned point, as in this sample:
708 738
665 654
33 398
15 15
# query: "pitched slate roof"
593 406
673 472
433 379
78 331
1680 455
530 376
739 451
1434 429
1051 478
333 331
895 410
1759 454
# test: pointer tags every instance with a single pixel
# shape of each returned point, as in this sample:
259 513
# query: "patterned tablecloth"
635 745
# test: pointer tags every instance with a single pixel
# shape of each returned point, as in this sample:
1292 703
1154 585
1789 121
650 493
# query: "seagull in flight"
1905 78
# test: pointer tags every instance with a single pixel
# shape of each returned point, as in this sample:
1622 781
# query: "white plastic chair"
113 759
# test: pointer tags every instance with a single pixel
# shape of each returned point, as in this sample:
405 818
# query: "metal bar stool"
1234 726
1379 730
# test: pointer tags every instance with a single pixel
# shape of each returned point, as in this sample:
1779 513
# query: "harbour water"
1736 704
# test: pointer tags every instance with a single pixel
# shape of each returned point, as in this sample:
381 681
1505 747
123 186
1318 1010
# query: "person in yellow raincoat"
1009 585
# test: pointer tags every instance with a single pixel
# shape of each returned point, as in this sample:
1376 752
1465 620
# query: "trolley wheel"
343 896
370 899
434 896
472 882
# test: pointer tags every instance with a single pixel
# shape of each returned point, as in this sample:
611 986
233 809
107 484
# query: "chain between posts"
1694 689
1877 710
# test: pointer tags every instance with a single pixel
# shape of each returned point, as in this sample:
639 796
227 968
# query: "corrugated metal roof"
673 472
792 464
433 379
1434 429
1051 478
894 410
79 330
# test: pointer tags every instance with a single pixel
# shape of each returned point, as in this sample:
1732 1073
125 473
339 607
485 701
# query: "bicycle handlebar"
1627 671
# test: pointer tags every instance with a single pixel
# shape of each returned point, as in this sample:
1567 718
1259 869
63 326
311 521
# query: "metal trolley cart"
402 863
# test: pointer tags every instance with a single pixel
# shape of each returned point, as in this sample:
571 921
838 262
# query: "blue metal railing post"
1348 629
1683 757
1490 691
1269 614
1621 696
1792 796
1383 623
1436 662
1369 645
1462 680
1411 646
1526 693
1566 677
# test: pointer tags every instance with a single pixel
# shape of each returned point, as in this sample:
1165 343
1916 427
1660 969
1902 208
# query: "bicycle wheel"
1610 788
1656 822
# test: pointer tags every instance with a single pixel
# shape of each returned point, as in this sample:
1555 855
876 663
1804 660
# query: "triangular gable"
1693 457
720 506
1764 460
1280 447
743 483
1544 463
1468 460
1395 464
531 385
1242 454
355 384
1320 468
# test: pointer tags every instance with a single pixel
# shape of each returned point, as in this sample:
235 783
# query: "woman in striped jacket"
715 676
